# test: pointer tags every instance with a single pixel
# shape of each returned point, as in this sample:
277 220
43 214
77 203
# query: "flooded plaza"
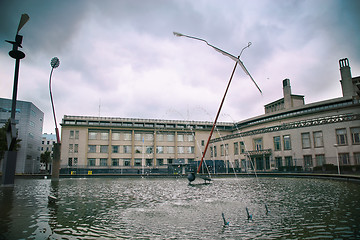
170 208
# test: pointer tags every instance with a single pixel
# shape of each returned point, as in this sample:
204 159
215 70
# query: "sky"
119 58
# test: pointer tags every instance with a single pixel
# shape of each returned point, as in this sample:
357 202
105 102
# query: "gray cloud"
122 55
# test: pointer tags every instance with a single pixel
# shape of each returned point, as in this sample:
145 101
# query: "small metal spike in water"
266 207
249 216
225 222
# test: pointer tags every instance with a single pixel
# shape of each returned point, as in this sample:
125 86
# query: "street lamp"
9 167
55 62
191 176
337 157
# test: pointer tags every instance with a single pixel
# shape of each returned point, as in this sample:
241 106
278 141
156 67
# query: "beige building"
291 135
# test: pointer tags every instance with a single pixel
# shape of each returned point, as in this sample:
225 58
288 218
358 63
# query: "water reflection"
111 208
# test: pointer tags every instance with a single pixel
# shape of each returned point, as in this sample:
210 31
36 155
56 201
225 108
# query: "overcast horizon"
121 59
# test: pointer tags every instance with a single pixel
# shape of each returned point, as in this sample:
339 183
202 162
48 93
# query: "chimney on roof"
287 93
346 79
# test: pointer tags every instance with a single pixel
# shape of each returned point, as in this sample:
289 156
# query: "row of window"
284 142
138 149
122 162
126 136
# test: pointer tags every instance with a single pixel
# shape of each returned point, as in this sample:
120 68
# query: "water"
131 208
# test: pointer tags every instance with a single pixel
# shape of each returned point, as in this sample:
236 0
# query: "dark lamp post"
9 165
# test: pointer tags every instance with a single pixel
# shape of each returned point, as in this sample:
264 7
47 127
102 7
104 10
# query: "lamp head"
55 62
24 18
178 34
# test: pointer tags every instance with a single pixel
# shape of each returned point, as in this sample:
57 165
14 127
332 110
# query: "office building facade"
290 136
29 123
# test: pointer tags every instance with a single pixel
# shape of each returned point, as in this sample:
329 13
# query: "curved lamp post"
55 62
191 176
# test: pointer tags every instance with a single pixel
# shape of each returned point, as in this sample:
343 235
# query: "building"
47 143
29 122
290 136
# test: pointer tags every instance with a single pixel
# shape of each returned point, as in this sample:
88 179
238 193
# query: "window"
305 140
160 137
138 162
242 147
202 142
76 148
288 161
170 149
115 136
104 136
258 144
149 136
75 161
70 162
160 162
320 159
287 142
137 137
278 161
308 161
127 136
355 135
222 150
92 148
104 148
344 159
92 135
127 149
341 137
236 148
149 162
115 162
126 162
318 139
71 148
190 149
190 138
169 161
115 149
357 158
170 137
215 151
181 149
138 149
71 134
277 143
91 161
226 149
180 138
103 162
77 134
159 149
149 149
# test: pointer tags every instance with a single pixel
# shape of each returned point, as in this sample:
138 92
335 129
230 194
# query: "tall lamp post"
9 165
55 62
191 176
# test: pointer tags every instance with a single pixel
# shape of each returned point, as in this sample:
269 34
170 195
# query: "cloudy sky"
120 59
